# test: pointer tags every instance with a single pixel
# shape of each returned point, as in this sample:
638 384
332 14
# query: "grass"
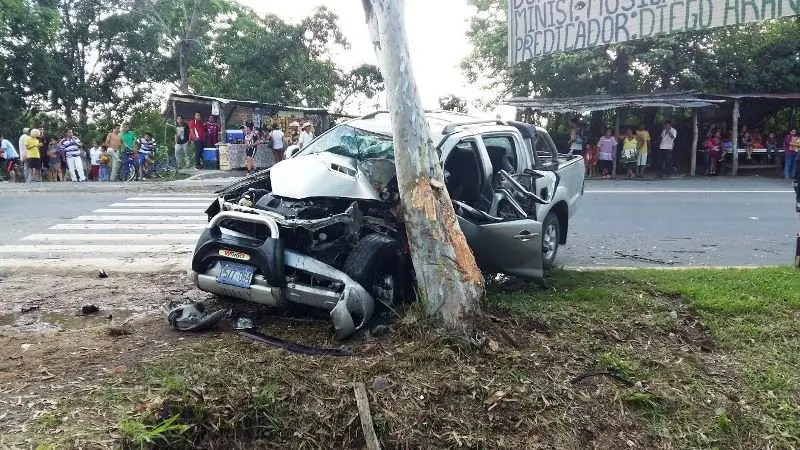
709 359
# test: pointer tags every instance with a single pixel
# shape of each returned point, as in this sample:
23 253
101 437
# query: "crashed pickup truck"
325 227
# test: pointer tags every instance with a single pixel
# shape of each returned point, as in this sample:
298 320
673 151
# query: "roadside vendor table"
236 154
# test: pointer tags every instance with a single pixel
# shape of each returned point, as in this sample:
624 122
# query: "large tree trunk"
450 283
183 63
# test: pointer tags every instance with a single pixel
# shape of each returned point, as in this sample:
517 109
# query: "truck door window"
463 173
502 153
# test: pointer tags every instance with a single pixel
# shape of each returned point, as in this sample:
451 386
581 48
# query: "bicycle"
160 165
129 166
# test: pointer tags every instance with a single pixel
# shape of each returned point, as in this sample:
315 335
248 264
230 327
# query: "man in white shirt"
23 154
306 136
278 142
664 159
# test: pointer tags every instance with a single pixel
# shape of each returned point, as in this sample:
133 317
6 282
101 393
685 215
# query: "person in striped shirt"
145 148
72 150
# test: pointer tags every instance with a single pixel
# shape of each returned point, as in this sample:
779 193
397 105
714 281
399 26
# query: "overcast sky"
437 39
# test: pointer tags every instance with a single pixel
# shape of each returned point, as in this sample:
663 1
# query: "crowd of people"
40 157
281 144
632 148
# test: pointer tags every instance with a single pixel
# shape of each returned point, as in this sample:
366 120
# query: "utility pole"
450 283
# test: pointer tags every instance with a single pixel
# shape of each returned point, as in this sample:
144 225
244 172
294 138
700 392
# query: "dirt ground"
54 351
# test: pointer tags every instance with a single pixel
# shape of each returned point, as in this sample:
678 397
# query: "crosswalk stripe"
159 205
100 248
148 210
118 237
128 226
170 199
198 218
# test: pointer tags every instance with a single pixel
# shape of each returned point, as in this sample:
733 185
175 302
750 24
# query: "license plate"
234 274
234 255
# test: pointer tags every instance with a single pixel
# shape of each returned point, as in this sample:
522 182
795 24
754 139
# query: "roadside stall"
229 153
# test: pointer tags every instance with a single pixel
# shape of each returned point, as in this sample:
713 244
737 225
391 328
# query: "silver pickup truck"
325 227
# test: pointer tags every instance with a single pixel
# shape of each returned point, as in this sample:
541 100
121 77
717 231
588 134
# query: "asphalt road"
664 223
683 222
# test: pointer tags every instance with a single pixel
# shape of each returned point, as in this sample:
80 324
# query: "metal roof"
246 103
787 96
684 99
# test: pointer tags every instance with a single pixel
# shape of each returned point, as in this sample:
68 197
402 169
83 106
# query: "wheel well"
561 211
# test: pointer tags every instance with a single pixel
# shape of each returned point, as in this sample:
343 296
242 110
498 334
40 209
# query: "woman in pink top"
606 147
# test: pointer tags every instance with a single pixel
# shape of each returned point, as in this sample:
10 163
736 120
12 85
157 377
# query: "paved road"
683 222
678 222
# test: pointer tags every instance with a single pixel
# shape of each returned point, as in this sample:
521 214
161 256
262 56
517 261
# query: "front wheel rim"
550 241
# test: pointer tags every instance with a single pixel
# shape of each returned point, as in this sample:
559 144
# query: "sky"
437 39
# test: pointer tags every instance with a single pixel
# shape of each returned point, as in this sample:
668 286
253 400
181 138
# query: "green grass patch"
700 359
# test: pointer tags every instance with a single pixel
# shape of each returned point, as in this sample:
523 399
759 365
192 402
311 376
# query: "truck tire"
551 231
377 264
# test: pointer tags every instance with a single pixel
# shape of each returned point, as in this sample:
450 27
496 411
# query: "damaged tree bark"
450 283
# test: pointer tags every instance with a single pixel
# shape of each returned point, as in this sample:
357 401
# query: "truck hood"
321 175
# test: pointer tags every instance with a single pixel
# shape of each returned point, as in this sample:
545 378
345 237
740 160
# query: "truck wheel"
377 265
551 230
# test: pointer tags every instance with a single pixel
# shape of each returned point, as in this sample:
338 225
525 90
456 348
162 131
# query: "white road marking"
147 210
200 218
170 199
128 226
679 191
118 237
182 195
100 248
160 205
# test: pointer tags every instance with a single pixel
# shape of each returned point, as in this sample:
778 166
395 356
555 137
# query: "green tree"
364 81
269 60
453 103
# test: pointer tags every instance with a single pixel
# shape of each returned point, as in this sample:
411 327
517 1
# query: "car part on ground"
292 346
193 317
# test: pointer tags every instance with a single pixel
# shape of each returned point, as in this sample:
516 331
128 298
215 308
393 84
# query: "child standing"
590 159
772 146
105 164
607 147
54 172
630 152
94 160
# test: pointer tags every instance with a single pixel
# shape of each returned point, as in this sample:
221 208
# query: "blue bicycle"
128 165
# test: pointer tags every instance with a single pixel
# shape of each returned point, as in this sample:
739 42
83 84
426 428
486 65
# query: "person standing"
664 159
644 149
306 136
23 154
94 161
128 145
251 139
278 141
789 154
11 157
607 147
630 152
197 137
181 142
105 162
72 150
33 146
213 130
113 144
54 172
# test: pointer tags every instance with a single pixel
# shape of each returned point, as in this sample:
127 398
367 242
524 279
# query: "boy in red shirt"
197 137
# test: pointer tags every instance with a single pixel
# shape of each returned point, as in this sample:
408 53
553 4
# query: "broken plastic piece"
243 323
192 317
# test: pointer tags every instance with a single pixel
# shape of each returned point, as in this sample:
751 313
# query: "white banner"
542 27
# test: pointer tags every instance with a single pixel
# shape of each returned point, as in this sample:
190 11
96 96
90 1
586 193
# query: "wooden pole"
362 402
614 154
735 138
450 284
695 138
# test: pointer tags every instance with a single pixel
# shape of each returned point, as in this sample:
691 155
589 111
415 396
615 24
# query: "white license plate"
234 274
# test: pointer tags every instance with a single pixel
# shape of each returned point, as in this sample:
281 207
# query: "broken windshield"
349 141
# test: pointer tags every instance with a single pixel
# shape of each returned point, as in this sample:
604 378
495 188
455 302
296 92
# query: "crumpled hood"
321 175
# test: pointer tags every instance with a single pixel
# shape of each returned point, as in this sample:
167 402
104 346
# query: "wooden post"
735 138
614 154
695 138
450 284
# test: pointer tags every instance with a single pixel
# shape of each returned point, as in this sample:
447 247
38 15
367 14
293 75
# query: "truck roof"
379 122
